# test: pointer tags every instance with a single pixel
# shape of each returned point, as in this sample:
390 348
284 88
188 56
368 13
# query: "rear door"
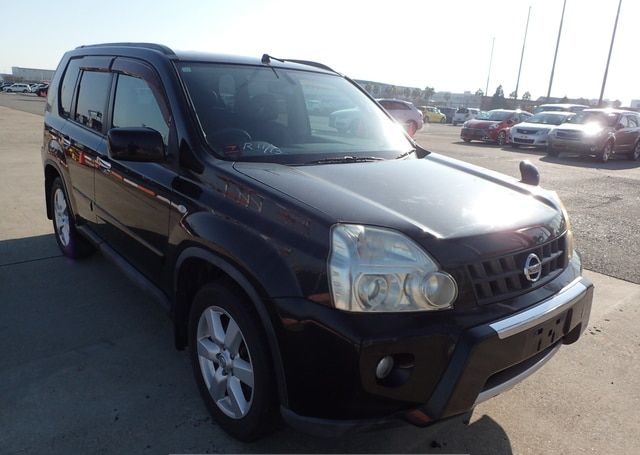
133 198
624 133
84 98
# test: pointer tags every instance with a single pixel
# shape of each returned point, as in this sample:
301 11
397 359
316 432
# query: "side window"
92 99
68 84
623 121
633 121
136 106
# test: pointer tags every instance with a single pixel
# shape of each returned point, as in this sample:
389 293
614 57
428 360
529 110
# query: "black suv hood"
434 197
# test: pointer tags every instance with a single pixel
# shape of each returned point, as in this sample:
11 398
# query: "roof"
609 110
195 56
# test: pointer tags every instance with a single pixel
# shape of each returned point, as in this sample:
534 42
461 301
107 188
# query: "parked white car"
405 113
22 88
535 130
560 107
465 113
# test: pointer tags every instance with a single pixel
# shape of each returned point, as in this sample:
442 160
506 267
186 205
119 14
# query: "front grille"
572 135
523 131
523 141
477 132
503 277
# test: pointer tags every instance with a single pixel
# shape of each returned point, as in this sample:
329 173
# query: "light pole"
486 90
555 56
606 70
524 43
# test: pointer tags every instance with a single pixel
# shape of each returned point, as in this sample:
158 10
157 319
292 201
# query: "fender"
63 177
239 278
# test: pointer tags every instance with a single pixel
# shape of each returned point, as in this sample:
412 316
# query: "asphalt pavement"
88 363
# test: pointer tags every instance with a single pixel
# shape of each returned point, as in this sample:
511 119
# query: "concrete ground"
88 363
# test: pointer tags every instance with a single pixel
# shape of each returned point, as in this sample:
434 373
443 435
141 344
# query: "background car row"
38 88
560 128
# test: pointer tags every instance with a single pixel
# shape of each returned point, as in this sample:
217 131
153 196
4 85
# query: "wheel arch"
51 172
197 265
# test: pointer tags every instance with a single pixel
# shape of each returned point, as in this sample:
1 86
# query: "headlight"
379 270
593 129
493 127
569 242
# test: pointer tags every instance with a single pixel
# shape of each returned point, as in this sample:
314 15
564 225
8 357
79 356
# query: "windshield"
603 118
261 113
548 119
497 116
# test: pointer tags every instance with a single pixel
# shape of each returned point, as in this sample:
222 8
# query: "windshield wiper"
346 159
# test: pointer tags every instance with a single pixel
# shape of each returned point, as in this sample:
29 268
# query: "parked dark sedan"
598 132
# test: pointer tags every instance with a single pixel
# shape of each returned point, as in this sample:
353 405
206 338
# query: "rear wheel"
635 154
412 127
231 362
71 243
466 140
551 151
502 138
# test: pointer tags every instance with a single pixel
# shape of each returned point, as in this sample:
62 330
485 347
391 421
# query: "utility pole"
606 70
555 56
486 90
524 43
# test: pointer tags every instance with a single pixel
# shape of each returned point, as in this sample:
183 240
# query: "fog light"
385 365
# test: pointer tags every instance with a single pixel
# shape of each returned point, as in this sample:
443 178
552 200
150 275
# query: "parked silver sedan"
535 130
405 113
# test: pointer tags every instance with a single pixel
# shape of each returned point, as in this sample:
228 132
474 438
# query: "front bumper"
585 146
534 140
441 372
480 134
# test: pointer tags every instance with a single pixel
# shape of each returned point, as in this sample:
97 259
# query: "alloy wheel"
61 214
225 362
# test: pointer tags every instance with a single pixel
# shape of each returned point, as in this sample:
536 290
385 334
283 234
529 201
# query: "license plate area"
547 333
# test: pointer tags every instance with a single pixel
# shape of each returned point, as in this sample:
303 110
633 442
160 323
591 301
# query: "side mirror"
135 144
529 173
509 122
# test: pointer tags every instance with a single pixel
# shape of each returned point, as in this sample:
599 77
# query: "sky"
442 44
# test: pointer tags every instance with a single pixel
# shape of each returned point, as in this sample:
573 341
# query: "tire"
454 123
466 140
502 138
552 152
227 345
412 127
443 120
71 243
634 155
606 152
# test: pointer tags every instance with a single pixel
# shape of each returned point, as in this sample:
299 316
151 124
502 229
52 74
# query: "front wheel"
606 152
502 138
466 140
551 151
71 243
231 362
443 120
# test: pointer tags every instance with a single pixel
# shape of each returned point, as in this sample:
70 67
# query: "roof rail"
156 47
310 63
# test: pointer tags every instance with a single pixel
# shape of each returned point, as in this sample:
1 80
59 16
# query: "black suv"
337 279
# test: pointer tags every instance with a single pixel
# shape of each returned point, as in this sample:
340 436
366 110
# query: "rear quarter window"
68 86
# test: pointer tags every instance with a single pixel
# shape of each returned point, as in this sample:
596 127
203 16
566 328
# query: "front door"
132 199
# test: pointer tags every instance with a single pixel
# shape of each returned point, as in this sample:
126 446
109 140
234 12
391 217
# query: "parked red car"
492 126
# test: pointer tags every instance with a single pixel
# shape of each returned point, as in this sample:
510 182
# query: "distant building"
448 99
382 90
31 74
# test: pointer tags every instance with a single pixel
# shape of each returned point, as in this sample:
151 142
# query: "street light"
606 70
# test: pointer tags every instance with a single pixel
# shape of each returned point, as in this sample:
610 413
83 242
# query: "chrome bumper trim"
542 311
503 387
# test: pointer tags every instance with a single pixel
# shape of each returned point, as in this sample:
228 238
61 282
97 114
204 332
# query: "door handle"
103 164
